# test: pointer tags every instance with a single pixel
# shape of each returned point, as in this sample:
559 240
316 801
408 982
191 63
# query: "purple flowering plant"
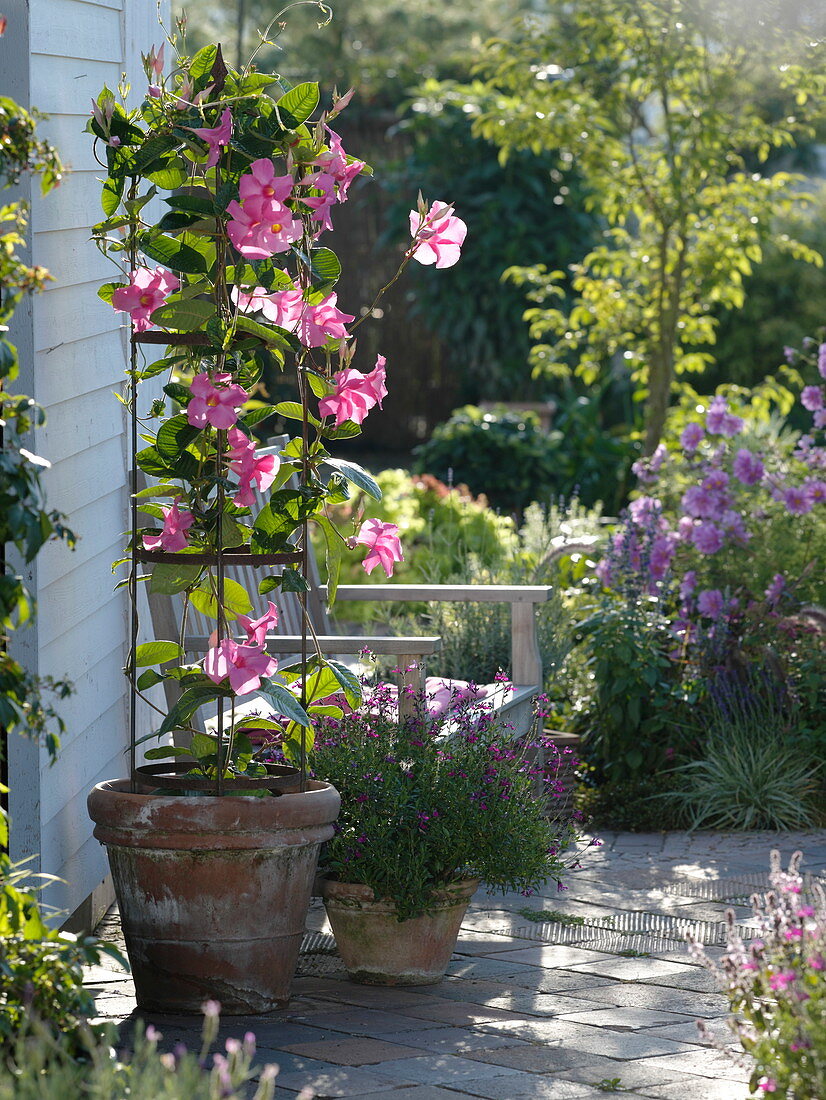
726 539
776 985
438 798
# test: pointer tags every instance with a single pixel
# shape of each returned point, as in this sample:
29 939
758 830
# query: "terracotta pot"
213 892
378 949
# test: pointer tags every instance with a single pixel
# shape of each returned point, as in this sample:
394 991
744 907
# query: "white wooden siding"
77 46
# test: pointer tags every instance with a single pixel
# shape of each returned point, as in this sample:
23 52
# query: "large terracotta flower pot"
378 949
213 892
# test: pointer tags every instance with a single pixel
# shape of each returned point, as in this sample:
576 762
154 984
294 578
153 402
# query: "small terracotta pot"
213 892
378 949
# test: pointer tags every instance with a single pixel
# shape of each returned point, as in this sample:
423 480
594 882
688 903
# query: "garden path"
533 1007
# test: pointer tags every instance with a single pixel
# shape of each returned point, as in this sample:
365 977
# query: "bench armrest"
458 593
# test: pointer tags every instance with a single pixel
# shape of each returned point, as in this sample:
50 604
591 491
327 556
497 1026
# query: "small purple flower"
691 437
821 361
716 415
747 467
685 528
708 538
816 491
789 354
711 603
689 583
643 508
797 500
716 481
820 418
734 527
698 502
812 398
775 589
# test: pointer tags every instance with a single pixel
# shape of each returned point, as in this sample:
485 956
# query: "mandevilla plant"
251 176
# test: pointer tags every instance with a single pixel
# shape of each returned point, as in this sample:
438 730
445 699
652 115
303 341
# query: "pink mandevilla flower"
257 628
323 322
147 291
175 526
215 402
260 228
355 393
262 183
243 664
334 162
438 236
250 467
216 137
323 203
383 542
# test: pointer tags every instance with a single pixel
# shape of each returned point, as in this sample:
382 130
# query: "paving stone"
462 1013
353 1052
364 1021
641 1075
712 1090
487 968
417 1092
522 1086
439 1069
542 1058
555 955
636 969
628 995
543 1004
450 1040
699 981
703 1062
335 1081
630 1019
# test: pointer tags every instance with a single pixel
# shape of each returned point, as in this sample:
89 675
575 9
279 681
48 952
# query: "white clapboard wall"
57 55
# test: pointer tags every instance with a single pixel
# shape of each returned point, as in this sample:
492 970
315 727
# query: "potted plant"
231 270
431 805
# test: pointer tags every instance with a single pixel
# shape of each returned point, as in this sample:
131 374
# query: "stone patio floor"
532 1007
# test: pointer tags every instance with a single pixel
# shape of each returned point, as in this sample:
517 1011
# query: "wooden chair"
411 653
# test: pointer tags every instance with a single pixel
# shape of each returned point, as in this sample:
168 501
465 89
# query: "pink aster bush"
251 177
776 985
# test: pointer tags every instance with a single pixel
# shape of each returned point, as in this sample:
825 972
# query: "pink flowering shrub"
439 798
251 177
776 986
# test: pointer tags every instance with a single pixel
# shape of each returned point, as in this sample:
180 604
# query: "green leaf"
349 681
293 581
111 195
201 64
174 175
157 653
173 254
169 578
344 431
294 411
107 290
185 316
333 553
325 266
298 104
355 473
192 204
174 436
268 584
188 703
255 416
149 679
176 220
179 393
283 702
320 386
270 334
163 752
236 600
203 745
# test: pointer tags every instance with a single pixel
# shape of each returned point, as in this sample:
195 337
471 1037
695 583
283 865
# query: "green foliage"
520 212
433 801
42 1067
752 772
506 456
637 805
658 113
41 970
639 703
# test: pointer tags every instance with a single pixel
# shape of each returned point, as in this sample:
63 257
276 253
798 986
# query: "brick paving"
532 1007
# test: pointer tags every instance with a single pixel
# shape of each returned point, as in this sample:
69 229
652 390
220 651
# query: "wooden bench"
411 652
